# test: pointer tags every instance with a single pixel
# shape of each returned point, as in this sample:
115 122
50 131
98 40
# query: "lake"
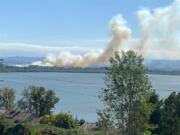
78 91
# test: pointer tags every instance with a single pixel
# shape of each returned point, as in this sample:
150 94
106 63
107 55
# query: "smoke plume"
160 30
162 24
119 33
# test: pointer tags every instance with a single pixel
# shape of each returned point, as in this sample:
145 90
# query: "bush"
81 122
42 129
19 130
1 129
33 127
5 124
65 120
62 120
47 119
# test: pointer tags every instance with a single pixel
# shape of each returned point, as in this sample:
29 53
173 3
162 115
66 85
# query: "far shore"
10 69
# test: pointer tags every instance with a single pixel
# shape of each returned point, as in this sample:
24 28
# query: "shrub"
19 130
1 129
5 124
65 120
81 122
33 127
47 119
42 129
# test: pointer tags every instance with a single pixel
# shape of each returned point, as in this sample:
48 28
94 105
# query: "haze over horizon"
40 28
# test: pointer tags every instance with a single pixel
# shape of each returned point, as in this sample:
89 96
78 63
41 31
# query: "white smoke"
161 24
65 59
160 37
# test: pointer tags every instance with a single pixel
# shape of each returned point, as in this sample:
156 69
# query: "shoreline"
11 69
174 73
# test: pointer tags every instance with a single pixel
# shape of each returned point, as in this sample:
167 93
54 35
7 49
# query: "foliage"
65 120
47 119
1 129
41 129
126 95
5 125
60 131
170 115
38 100
148 133
156 114
7 98
82 121
61 120
19 130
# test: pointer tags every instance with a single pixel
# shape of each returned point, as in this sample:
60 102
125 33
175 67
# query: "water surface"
78 91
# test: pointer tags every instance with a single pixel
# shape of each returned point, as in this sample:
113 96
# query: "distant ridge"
165 65
21 60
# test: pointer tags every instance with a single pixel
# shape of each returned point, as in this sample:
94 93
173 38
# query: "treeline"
35 100
163 119
6 68
38 101
54 69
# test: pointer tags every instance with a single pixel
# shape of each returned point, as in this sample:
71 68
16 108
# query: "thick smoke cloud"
161 24
160 32
119 33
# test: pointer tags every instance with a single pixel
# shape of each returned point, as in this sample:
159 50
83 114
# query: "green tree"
126 95
7 98
38 100
156 114
170 115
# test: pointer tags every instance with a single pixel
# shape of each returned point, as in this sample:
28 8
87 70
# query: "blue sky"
53 22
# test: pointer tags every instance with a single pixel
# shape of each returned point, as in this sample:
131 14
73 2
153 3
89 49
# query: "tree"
38 100
156 114
126 95
170 115
7 98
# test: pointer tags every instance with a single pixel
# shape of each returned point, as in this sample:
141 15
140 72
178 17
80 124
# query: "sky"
40 27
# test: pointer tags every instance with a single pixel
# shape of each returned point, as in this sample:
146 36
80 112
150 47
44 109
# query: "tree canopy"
126 95
38 100
170 115
7 98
